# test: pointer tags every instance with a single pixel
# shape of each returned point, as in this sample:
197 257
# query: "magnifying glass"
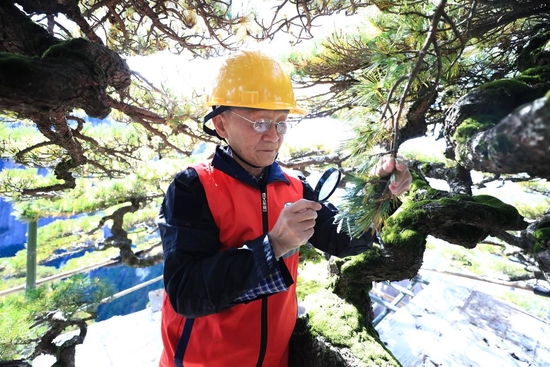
328 183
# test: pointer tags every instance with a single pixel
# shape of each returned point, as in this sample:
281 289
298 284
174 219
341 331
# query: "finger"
305 219
401 164
383 167
302 205
388 164
402 183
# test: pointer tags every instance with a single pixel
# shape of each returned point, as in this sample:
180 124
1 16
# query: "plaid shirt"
273 283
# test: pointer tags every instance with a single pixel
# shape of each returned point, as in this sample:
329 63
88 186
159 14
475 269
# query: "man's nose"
271 134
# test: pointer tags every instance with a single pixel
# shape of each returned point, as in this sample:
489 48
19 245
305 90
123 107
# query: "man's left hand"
400 179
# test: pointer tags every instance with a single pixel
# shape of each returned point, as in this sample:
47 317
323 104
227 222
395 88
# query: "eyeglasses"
263 125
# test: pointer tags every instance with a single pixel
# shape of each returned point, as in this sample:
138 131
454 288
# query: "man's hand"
294 227
400 180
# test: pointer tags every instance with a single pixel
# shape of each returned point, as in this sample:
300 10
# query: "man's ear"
219 124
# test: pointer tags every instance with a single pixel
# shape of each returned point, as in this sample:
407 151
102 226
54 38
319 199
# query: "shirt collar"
224 162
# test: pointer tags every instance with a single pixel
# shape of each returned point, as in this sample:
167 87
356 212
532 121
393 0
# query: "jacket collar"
224 162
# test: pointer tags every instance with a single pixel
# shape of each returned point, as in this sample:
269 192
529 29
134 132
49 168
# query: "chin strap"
242 159
216 110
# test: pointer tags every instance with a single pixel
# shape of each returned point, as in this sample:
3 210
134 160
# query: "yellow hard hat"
254 80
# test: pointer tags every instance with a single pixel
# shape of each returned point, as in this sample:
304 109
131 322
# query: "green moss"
304 288
309 253
541 236
74 49
403 238
408 215
538 74
337 321
67 49
514 86
340 324
12 63
403 228
506 213
353 265
419 184
473 125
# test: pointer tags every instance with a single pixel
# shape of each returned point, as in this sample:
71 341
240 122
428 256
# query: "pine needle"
367 204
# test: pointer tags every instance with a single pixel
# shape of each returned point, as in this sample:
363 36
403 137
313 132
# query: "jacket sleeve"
331 236
198 278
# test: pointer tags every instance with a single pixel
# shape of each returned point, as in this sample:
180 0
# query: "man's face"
259 149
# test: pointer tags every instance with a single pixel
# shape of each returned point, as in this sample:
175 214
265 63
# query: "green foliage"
368 204
491 262
531 303
367 200
361 70
13 271
75 298
139 175
487 261
533 210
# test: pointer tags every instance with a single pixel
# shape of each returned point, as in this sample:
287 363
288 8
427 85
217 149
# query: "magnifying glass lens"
327 184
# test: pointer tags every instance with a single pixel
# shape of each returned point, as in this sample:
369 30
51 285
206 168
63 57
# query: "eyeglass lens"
263 126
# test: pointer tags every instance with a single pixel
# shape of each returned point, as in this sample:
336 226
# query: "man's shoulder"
187 176
293 173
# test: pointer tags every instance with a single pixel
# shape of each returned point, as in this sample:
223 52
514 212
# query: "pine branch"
368 204
370 201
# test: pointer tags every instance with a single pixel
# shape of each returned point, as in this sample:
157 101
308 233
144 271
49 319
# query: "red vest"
233 337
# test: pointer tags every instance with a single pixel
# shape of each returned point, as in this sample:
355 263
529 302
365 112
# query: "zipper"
264 210
263 341
263 335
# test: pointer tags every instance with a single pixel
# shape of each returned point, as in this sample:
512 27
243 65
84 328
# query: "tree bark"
518 143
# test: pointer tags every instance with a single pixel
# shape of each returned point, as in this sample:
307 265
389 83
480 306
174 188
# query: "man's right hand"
294 227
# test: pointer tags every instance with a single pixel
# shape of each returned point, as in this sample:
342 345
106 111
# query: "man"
232 229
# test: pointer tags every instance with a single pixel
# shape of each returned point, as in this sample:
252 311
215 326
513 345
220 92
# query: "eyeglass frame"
269 123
